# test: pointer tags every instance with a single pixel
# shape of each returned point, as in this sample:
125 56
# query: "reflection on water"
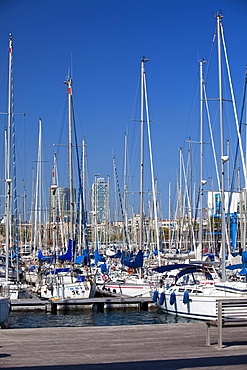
89 318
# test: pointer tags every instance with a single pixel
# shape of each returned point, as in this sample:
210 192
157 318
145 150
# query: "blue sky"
102 41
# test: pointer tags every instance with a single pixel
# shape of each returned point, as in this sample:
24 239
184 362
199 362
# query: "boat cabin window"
196 291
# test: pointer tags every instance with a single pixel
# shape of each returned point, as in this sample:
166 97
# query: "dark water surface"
39 319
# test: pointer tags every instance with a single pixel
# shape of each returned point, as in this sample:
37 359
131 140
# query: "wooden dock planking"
172 346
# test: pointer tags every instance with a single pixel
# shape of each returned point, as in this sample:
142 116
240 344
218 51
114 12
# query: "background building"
100 199
59 204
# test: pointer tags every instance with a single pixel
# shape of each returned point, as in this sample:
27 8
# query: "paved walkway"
166 346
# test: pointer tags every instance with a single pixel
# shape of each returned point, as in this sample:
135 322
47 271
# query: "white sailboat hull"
130 290
66 287
200 305
132 287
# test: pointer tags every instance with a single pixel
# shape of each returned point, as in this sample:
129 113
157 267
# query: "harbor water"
39 319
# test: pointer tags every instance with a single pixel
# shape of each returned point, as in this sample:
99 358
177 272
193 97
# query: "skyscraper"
100 199
59 204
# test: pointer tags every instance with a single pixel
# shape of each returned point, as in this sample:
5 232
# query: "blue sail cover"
43 258
243 271
234 267
68 255
244 257
103 268
84 259
126 258
79 259
138 261
116 255
57 271
98 257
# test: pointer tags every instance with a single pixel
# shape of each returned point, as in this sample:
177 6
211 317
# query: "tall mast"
169 214
142 151
180 201
152 173
53 195
125 185
202 182
223 158
8 166
83 216
38 194
71 195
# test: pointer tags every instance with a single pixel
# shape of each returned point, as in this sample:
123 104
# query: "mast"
180 192
152 174
142 150
223 158
71 195
82 213
125 186
53 195
8 165
169 214
38 194
202 182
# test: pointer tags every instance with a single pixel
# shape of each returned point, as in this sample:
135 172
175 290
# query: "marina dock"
163 346
109 300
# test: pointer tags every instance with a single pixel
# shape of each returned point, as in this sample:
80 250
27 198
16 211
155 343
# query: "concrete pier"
163 346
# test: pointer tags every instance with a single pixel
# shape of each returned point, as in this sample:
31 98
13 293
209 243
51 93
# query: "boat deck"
164 346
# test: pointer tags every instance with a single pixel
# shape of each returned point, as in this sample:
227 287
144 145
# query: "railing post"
208 335
219 324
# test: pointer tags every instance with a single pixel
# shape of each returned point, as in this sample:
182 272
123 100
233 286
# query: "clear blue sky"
103 41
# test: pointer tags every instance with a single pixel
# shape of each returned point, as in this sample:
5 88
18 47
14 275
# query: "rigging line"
135 99
4 65
234 108
192 108
80 182
210 54
237 147
60 128
123 211
186 195
152 169
211 136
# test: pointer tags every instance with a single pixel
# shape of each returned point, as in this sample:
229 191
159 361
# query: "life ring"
105 277
130 270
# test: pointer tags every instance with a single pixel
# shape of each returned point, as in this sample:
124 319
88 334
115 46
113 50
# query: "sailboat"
132 278
65 282
196 287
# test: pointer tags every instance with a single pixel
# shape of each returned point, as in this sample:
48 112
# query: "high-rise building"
100 199
59 204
